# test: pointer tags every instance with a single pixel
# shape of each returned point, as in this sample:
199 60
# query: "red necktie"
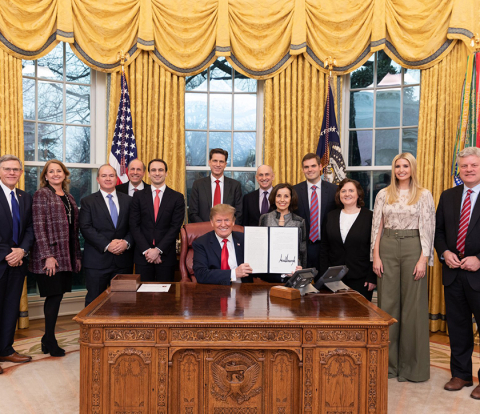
135 190
156 203
314 231
224 259
217 198
464 220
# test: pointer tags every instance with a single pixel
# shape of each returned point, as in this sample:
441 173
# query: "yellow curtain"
294 105
441 90
157 99
11 132
259 38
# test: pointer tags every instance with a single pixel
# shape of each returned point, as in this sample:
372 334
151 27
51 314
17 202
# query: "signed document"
271 249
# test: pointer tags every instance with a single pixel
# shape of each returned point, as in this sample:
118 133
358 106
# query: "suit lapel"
237 244
457 205
304 197
148 200
21 204
123 208
6 208
208 191
165 200
103 206
226 191
323 202
256 200
216 246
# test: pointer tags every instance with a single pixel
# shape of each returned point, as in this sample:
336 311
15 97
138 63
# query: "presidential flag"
124 147
329 144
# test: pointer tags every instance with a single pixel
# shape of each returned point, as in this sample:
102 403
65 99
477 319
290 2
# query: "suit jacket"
201 199
327 202
164 230
207 259
98 230
446 230
26 236
52 236
355 252
123 188
251 209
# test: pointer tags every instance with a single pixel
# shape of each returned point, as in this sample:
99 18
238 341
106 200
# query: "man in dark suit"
218 255
136 171
156 217
256 203
215 189
316 198
16 238
457 242
104 224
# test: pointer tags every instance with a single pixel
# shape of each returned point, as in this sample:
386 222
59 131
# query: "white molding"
71 304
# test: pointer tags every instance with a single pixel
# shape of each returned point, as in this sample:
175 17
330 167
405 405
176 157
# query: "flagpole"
122 56
330 62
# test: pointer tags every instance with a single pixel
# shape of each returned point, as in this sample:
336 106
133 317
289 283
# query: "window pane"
77 145
245 112
360 148
221 76
411 105
76 70
81 183
196 111
409 140
221 140
363 76
195 148
51 65
386 146
50 143
28 68
78 104
191 177
247 180
388 71
381 179
220 111
244 149
363 177
31 175
411 76
197 82
50 102
388 108
244 83
28 99
29 140
361 109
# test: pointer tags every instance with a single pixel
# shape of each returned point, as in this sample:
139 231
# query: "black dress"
60 282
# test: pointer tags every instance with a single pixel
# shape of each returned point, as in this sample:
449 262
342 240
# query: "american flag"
124 147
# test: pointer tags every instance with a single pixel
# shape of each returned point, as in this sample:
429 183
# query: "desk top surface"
239 304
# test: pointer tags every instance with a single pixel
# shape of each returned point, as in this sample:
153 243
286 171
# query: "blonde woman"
403 229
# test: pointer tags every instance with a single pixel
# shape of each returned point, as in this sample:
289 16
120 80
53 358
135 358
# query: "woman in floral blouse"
402 244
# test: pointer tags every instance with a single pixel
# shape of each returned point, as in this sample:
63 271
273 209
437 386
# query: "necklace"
68 207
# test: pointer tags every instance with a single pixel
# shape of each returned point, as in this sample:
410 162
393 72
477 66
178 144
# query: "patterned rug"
440 357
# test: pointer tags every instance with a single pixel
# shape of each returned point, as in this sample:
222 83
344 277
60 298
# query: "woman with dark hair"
346 238
283 201
56 251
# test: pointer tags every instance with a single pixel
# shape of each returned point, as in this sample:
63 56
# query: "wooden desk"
232 350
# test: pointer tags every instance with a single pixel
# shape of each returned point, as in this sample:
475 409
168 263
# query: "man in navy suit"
16 239
457 242
218 255
103 221
215 189
256 203
317 194
136 172
156 217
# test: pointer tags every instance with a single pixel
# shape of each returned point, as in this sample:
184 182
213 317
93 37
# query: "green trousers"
407 301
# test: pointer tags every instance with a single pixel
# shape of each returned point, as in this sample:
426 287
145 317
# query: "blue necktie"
113 210
16 218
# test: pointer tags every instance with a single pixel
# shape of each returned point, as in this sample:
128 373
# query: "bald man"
136 172
256 203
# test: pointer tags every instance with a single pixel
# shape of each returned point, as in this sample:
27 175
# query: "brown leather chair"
188 233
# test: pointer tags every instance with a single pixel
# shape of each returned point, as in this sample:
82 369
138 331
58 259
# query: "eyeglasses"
9 170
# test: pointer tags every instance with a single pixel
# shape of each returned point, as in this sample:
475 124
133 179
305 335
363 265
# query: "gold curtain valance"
259 38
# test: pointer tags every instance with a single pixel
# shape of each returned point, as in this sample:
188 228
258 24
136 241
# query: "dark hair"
360 192
311 156
44 181
218 151
158 160
293 194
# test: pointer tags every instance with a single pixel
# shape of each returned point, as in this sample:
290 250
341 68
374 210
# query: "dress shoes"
52 348
476 393
456 384
16 358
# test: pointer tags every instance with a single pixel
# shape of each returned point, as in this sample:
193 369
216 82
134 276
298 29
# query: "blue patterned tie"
16 218
113 210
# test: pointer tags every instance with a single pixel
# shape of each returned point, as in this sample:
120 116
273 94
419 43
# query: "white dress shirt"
214 186
131 188
319 196
160 194
232 257
114 199
7 192
261 195
473 198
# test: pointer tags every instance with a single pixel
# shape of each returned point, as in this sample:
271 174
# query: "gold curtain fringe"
260 39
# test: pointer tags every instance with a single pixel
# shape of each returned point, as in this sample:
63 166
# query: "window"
384 101
222 110
59 120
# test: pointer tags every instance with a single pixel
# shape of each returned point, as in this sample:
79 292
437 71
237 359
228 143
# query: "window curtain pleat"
157 99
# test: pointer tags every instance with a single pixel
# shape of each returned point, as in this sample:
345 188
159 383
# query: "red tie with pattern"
224 259
464 220
314 232
217 198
